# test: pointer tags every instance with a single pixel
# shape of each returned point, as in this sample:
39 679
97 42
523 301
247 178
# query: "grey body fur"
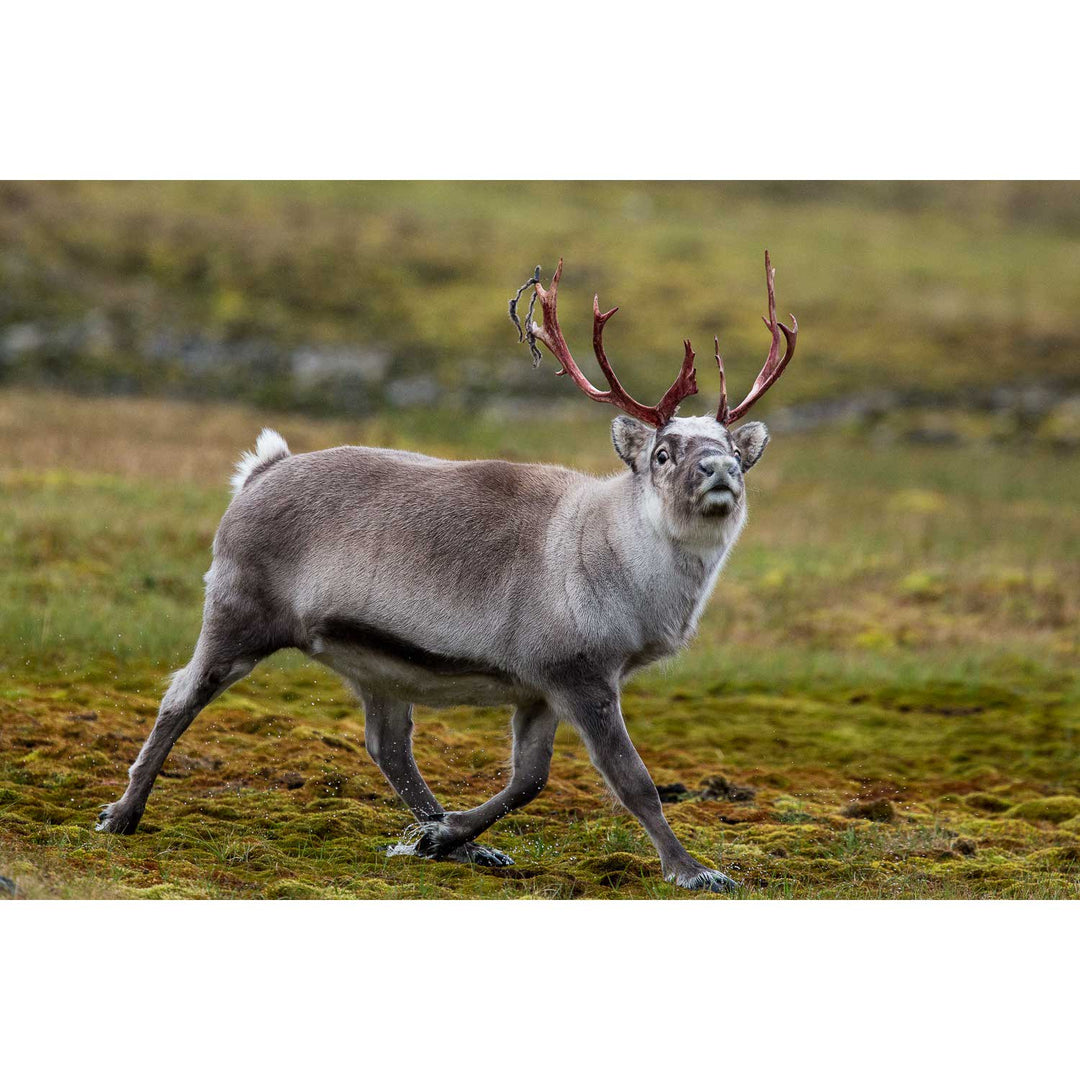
481 582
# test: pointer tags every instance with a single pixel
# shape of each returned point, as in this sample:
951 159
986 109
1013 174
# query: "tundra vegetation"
882 700
877 704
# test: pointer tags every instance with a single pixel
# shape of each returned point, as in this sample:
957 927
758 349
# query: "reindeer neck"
630 562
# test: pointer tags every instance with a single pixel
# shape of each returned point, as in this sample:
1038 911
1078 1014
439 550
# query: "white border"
552 90
540 988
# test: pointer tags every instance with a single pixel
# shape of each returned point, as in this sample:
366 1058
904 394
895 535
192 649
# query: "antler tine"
684 386
721 412
774 365
599 320
551 336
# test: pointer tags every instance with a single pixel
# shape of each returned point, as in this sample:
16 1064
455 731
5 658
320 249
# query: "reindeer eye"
661 457
738 454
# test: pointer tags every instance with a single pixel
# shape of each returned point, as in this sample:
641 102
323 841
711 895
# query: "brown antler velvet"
774 366
551 336
685 383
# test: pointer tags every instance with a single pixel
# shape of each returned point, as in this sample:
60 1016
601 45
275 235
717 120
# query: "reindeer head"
693 466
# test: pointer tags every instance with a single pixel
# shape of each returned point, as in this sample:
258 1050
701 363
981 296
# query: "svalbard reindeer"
479 583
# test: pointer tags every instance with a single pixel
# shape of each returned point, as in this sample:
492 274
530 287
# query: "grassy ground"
888 663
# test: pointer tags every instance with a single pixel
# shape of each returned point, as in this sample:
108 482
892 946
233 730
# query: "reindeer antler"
774 366
551 336
684 385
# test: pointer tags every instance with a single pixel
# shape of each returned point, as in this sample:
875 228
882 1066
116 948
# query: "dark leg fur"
534 735
600 721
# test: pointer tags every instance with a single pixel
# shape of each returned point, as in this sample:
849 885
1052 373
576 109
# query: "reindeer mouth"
719 499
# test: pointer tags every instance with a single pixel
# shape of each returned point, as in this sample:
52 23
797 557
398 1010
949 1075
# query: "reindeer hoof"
114 818
433 839
702 879
479 855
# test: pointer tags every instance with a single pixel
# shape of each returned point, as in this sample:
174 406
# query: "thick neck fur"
638 582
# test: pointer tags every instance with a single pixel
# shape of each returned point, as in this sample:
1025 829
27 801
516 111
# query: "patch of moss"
292 890
326 737
1013 836
167 892
1065 858
791 811
983 800
618 868
871 810
45 813
1054 808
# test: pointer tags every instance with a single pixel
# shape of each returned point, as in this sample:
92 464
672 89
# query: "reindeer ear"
751 439
630 438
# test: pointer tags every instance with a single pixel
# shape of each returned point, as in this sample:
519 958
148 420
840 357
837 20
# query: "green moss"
791 811
982 800
292 890
618 869
871 810
1005 836
168 892
43 812
1065 859
328 738
1055 808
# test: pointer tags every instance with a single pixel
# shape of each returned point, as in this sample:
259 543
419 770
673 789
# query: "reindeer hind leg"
233 640
190 691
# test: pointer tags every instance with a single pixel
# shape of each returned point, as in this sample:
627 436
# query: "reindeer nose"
720 464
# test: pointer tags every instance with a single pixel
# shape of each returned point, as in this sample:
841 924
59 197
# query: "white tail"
269 447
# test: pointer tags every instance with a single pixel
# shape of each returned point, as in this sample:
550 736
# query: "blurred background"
350 299
900 615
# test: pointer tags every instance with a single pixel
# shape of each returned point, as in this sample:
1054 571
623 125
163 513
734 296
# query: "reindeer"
443 583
